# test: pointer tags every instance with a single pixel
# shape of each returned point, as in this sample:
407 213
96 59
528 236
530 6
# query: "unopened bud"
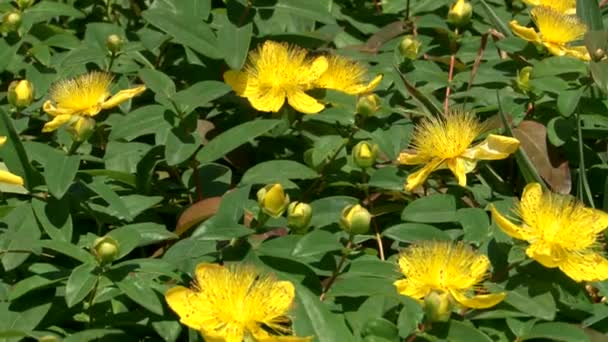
273 200
368 105
105 250
20 93
298 216
11 21
82 128
48 338
355 219
460 14
365 154
114 43
523 79
23 4
438 306
409 47
598 54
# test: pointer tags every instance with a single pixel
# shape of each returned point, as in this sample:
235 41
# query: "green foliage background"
172 174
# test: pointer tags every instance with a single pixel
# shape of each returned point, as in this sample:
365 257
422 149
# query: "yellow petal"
481 301
456 165
416 179
585 267
303 102
285 339
204 270
408 288
508 227
579 52
599 219
2 140
494 147
284 293
10 178
406 158
122 96
531 198
234 334
270 100
51 110
185 303
57 122
318 67
526 33
547 254
237 80
371 85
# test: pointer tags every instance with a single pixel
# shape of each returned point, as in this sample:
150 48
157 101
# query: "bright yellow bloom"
445 267
555 31
562 6
276 71
444 143
82 96
5 176
229 304
561 231
347 76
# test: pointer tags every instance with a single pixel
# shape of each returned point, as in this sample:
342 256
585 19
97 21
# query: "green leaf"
409 317
461 331
599 71
60 172
233 138
431 209
180 145
567 101
327 210
412 232
276 171
316 243
142 121
54 217
80 283
361 287
91 335
558 65
590 13
500 25
115 202
140 291
475 223
557 331
68 249
541 305
127 238
45 10
24 320
13 154
234 42
319 10
199 94
20 238
158 82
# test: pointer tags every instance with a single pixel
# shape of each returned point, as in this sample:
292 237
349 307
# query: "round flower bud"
438 306
48 338
409 47
82 128
299 215
273 200
23 4
114 43
598 54
368 105
523 79
355 219
105 249
20 93
460 14
11 21
364 154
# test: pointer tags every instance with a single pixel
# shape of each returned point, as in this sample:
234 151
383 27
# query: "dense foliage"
338 170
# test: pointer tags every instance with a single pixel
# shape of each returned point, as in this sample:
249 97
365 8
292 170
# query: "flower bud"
364 154
368 105
11 21
105 249
438 306
23 4
20 93
273 200
355 219
82 128
409 47
48 338
114 43
523 79
460 14
598 54
299 215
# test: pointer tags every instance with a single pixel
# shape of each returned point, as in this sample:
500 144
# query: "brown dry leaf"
551 167
196 213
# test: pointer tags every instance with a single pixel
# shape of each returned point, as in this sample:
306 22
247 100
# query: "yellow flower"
346 75
230 304
445 267
555 31
561 231
5 176
273 200
562 6
82 96
276 71
444 143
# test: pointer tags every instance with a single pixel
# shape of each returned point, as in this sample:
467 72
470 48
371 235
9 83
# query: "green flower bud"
438 306
114 43
81 128
598 54
105 250
409 47
23 4
460 14
11 21
523 79
20 93
48 338
368 105
299 215
355 219
365 154
273 200
380 327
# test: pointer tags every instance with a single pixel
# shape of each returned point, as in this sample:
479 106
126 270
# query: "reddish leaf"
197 213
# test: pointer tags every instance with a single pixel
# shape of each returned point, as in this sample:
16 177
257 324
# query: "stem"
318 181
112 58
365 180
582 175
75 145
446 103
337 270
92 298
